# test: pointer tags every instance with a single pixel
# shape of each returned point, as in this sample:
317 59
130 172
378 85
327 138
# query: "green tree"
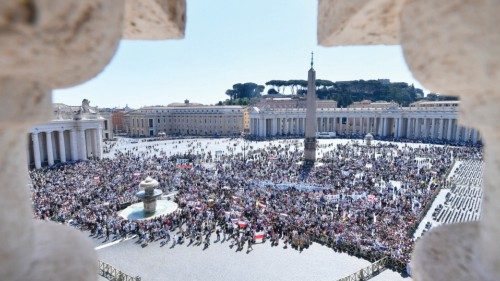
247 90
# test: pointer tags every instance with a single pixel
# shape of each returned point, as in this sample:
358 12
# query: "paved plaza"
221 145
221 263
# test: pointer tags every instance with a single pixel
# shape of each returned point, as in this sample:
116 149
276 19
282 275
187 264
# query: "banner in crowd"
259 237
183 163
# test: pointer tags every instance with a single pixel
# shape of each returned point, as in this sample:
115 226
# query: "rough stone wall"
47 44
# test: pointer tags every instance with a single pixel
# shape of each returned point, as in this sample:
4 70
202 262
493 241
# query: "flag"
185 166
242 224
259 237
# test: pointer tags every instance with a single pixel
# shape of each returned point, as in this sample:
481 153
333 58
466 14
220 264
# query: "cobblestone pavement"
221 263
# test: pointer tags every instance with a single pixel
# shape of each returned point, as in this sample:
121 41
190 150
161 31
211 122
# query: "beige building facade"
185 119
423 121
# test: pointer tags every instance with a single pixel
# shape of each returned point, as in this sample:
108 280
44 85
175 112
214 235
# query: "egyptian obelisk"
310 140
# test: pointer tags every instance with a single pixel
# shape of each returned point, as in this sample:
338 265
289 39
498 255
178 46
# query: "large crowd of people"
363 200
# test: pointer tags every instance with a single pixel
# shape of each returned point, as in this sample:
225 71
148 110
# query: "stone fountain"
368 139
149 194
152 205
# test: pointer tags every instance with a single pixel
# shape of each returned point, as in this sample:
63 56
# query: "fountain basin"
137 212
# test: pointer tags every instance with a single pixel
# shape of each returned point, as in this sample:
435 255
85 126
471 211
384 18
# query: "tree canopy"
344 92
247 90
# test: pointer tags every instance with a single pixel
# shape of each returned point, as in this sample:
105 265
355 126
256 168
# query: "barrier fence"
111 273
367 272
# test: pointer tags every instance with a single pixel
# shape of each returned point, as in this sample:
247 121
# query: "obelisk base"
309 151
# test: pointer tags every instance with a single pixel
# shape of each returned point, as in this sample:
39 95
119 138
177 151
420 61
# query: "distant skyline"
229 42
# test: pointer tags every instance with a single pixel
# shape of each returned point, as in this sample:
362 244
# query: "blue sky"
229 42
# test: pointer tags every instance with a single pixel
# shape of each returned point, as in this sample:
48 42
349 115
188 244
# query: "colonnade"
51 146
417 127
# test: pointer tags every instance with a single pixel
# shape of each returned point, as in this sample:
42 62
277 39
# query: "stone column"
50 152
82 144
419 128
440 128
432 128
256 126
299 126
36 150
400 127
99 142
274 126
427 130
296 126
408 128
62 148
264 127
379 126
352 123
414 128
450 127
73 145
384 126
